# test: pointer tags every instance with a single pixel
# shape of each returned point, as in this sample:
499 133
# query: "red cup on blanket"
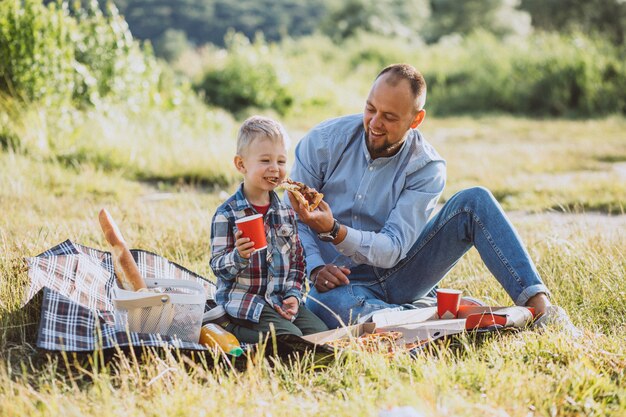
253 228
448 303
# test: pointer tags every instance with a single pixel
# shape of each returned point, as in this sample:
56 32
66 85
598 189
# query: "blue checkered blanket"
77 312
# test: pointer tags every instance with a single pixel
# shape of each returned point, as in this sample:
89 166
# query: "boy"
263 287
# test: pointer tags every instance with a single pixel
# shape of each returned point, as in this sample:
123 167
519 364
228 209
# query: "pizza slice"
307 196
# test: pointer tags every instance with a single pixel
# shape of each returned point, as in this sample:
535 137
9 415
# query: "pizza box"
420 325
340 333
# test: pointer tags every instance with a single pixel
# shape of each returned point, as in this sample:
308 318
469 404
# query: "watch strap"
332 235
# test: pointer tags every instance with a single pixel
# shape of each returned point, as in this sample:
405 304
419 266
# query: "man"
370 245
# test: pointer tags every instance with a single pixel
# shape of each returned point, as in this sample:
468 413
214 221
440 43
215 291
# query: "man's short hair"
259 127
398 72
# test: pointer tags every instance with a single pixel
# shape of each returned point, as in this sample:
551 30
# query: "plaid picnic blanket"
77 311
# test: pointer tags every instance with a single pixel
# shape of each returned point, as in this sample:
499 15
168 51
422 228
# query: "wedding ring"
326 283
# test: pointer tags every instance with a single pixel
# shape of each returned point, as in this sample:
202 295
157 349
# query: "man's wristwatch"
332 235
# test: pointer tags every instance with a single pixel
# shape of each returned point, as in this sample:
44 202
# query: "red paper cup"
253 228
448 303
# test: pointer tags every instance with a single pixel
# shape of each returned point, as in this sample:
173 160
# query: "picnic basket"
169 307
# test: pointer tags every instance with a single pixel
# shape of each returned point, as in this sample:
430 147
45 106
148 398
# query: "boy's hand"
243 245
291 305
289 309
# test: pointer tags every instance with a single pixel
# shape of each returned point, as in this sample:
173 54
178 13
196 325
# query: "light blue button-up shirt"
384 202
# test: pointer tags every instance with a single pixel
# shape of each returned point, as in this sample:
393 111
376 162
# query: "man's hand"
290 307
243 245
319 220
330 276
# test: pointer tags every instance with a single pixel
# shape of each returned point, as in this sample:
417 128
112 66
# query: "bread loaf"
126 270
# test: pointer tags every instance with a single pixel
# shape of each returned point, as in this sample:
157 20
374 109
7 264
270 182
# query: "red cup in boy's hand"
448 302
253 228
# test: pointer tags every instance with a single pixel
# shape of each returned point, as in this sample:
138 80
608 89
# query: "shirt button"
359 196
371 168
355 217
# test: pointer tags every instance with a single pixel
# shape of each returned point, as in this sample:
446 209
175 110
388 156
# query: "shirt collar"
242 203
409 138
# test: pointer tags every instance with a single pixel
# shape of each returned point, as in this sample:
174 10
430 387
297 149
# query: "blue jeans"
472 217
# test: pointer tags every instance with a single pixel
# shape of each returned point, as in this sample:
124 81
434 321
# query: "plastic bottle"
213 335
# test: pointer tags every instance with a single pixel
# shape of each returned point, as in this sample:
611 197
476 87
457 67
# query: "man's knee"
474 197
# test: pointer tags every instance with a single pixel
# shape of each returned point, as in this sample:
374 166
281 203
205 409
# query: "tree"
500 17
607 17
205 21
385 17
171 44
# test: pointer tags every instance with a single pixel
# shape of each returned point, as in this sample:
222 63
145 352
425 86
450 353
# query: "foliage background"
134 106
67 70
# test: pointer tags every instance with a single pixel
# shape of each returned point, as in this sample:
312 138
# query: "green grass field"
564 183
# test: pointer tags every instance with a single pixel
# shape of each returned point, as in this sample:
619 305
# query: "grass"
532 166
536 165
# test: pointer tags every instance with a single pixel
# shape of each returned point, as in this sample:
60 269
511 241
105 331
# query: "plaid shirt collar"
240 202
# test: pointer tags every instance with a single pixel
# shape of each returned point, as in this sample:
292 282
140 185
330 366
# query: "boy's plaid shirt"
244 286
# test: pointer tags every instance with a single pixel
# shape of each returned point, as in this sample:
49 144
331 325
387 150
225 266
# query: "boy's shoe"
556 316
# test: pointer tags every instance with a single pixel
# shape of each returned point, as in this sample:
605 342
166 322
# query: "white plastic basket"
169 307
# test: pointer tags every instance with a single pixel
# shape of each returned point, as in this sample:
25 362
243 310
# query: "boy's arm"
297 265
226 262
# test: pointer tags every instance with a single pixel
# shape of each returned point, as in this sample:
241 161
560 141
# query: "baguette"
126 270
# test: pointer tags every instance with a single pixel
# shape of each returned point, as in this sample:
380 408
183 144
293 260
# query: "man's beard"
384 148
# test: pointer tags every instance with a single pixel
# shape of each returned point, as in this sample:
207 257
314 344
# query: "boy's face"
263 165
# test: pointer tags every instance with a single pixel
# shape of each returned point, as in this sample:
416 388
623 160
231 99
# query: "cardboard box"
423 324
340 333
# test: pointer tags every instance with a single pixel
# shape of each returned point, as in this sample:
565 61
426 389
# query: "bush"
109 63
36 51
51 55
246 79
544 75
171 44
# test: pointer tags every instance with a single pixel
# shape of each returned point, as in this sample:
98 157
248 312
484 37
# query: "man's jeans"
471 217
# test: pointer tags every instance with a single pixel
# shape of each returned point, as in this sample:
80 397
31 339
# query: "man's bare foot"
539 302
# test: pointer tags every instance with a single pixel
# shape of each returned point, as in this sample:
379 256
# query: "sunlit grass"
188 144
536 165
44 201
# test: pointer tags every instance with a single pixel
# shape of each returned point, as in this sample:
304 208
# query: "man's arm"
309 167
404 224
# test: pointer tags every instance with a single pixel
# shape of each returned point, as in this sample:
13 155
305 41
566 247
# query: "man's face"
389 114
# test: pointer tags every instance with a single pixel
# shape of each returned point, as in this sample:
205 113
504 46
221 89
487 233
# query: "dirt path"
568 224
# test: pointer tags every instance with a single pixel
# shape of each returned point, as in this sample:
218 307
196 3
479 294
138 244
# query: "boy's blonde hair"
258 127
